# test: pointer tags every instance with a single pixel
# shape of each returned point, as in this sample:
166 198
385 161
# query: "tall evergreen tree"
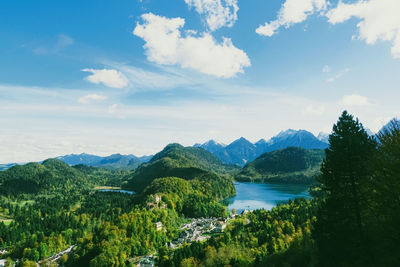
385 200
346 170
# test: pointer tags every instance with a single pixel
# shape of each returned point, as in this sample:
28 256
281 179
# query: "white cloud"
354 100
162 78
110 78
63 41
337 76
292 12
165 44
326 69
218 13
380 19
88 99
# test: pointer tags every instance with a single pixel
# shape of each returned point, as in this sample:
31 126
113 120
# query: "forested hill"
52 175
178 161
289 165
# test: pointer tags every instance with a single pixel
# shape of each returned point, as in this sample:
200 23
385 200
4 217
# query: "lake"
252 196
117 190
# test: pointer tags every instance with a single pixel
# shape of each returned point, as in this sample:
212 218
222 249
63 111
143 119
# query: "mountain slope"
289 165
293 138
389 126
211 146
178 161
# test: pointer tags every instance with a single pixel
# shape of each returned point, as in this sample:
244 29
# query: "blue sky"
132 76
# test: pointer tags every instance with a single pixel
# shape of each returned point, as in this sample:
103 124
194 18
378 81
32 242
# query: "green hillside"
290 165
184 162
54 175
199 197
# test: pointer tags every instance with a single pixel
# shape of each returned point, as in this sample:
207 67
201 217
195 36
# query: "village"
197 229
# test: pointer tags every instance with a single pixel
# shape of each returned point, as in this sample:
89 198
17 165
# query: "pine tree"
385 200
339 230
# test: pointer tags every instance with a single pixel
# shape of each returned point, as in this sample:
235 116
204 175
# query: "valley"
182 207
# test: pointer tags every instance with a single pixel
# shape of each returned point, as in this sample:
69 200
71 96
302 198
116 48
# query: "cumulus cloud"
292 12
88 99
110 78
354 100
380 19
166 44
217 13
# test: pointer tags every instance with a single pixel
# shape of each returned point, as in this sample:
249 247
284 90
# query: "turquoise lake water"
253 196
117 190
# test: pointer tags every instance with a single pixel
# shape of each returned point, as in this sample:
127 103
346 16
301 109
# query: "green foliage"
53 206
54 175
345 178
384 203
177 161
258 238
289 165
193 198
353 219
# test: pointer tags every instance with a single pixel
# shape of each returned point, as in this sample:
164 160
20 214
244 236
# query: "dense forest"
46 208
289 165
178 161
352 220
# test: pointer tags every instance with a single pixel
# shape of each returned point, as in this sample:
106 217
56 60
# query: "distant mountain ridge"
4 167
242 151
114 161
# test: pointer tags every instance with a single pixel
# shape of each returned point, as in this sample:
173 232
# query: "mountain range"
242 151
115 161
4 167
239 152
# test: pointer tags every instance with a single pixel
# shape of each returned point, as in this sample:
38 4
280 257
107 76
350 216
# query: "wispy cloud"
88 99
53 127
326 69
161 78
63 41
337 76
